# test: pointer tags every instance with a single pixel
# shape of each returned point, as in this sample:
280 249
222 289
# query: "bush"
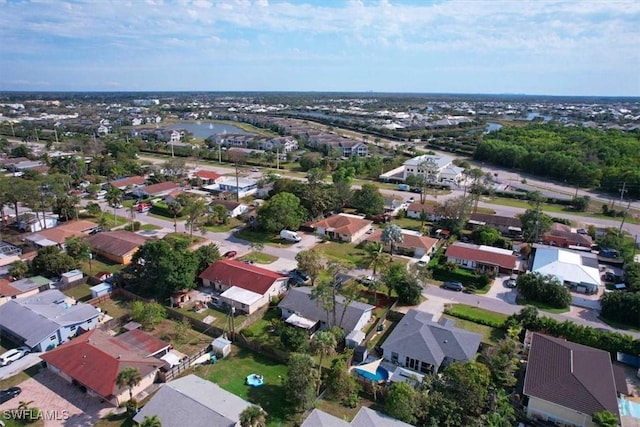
132 407
481 320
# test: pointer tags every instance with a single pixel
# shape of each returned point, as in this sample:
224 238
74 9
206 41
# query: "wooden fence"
66 286
183 366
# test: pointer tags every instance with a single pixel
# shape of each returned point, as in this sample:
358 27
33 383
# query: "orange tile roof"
160 187
343 224
246 276
208 175
474 253
125 182
6 290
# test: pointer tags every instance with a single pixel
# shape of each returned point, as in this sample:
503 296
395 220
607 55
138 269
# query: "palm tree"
114 199
323 344
152 421
174 208
253 416
375 258
194 210
391 235
129 377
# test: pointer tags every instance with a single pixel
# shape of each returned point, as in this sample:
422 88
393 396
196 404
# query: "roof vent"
119 357
84 356
446 341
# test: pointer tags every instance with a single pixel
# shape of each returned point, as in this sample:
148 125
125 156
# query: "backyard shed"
354 338
100 290
221 346
71 276
360 354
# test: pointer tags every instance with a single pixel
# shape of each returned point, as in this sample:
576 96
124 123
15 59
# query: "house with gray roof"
364 418
196 402
45 320
299 309
567 383
422 345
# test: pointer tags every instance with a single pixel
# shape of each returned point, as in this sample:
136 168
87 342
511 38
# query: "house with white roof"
45 320
437 169
245 186
575 269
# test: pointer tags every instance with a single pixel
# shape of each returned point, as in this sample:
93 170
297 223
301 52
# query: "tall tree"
312 262
282 211
375 258
205 255
253 416
323 344
368 200
129 377
18 269
453 213
52 262
301 382
175 208
77 248
401 402
534 224
114 198
195 211
392 236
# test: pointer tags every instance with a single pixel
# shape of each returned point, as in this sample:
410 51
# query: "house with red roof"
207 177
246 287
481 258
128 183
413 243
566 383
94 359
343 227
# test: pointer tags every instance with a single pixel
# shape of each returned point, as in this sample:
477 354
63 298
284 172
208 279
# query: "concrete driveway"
499 291
20 365
62 404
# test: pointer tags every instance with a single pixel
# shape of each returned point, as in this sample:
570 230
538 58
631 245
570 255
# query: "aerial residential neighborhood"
313 284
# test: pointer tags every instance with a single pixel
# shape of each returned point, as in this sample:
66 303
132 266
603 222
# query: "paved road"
20 365
581 316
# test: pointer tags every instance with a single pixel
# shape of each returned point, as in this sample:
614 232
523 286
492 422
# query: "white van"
100 195
290 236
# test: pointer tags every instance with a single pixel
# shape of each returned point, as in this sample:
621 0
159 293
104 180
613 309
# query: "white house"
246 186
437 169
45 320
577 270
245 287
31 223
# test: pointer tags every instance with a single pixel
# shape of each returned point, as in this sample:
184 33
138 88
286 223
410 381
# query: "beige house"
567 382
117 246
94 359
343 227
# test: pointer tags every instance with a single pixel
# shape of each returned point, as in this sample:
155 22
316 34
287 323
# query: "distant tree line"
579 156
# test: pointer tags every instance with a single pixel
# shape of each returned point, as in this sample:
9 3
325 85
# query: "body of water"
493 127
532 116
206 129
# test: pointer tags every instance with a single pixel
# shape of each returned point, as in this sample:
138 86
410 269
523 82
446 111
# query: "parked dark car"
9 394
454 286
230 254
301 273
296 278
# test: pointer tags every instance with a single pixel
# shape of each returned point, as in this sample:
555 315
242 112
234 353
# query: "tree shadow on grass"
271 397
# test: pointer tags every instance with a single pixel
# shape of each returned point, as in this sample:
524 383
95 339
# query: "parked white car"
13 355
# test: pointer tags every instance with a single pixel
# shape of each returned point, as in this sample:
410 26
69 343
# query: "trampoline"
255 380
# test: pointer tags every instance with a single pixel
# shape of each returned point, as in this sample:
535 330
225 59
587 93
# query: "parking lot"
61 403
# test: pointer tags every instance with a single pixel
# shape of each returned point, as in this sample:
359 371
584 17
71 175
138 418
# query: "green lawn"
261 237
345 252
218 228
260 331
79 293
471 312
149 227
379 338
542 306
99 264
259 258
221 318
188 343
410 223
231 372
489 335
115 307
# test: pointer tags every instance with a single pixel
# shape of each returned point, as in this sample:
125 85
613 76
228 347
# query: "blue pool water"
628 408
380 375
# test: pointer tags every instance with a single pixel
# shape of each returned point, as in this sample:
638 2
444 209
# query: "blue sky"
518 46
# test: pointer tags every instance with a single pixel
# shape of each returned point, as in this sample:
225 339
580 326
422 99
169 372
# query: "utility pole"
622 191
277 158
171 142
624 216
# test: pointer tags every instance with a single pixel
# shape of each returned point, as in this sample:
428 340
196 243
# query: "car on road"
454 286
13 355
8 394
230 254
255 170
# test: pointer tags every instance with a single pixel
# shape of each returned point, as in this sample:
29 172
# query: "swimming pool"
380 375
629 408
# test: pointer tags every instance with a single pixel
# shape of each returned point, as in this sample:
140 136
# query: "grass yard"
99 264
18 423
220 317
379 337
471 312
231 372
115 420
489 335
115 307
259 258
80 293
410 223
341 411
260 331
218 228
261 237
542 306
190 343
345 252
149 227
